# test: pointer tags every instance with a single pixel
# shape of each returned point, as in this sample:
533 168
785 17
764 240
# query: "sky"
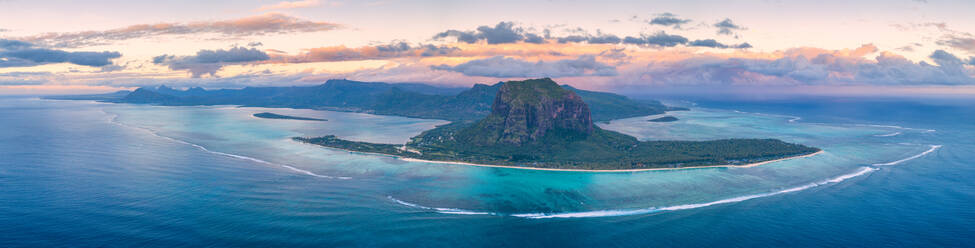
891 47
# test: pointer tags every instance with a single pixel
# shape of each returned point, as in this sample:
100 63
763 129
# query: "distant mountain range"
399 99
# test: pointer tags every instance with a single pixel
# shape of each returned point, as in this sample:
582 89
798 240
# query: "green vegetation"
603 150
268 115
664 119
399 99
536 123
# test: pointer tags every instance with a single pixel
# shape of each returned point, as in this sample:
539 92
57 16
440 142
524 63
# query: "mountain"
143 95
537 123
400 99
525 111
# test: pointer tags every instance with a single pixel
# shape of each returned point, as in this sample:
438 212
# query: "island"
537 124
664 119
268 115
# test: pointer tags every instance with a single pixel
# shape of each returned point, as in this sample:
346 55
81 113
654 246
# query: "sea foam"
624 212
930 150
888 135
114 120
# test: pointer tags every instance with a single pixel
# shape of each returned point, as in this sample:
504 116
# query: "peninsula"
268 115
538 124
664 119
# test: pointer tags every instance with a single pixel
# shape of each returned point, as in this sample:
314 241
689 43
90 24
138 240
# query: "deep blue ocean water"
896 172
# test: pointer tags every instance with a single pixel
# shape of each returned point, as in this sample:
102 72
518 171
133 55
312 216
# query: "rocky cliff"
525 111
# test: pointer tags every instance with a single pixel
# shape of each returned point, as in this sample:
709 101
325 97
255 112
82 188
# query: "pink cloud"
269 23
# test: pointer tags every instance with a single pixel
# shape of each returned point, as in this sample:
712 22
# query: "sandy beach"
609 171
572 170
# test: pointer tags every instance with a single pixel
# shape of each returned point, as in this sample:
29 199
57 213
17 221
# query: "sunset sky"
768 46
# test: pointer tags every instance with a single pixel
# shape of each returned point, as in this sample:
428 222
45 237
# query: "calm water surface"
79 173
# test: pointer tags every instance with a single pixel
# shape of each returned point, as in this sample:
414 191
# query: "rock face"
524 111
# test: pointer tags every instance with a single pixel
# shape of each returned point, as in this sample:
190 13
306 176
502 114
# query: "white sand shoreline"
575 170
609 171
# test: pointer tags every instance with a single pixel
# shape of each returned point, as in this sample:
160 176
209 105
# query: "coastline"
571 170
607 171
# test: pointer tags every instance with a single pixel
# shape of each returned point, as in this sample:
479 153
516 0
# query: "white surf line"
792 119
114 120
888 135
897 127
624 212
439 210
932 149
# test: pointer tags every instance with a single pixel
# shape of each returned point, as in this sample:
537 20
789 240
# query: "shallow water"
93 174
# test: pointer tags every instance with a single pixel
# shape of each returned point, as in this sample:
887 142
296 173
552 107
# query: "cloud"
290 5
958 42
388 51
210 61
668 19
597 39
715 44
503 32
22 54
505 67
24 78
727 27
805 66
13 44
659 39
270 23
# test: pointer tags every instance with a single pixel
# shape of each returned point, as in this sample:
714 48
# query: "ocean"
895 172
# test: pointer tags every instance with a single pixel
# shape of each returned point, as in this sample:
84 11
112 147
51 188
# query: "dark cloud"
958 42
598 39
210 61
668 19
949 63
943 58
659 39
503 67
502 33
15 53
506 32
461 36
271 23
13 44
715 44
727 27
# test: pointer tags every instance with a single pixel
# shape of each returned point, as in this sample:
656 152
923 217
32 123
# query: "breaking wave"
791 119
623 212
439 210
897 127
888 135
932 149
